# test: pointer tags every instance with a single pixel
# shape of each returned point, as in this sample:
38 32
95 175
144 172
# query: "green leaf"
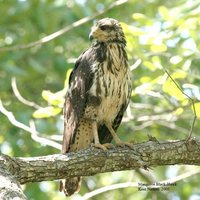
56 99
145 79
156 62
149 65
197 109
170 88
139 16
131 30
164 12
179 74
46 112
178 111
158 48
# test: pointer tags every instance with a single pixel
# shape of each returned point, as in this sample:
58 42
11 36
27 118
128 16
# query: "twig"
192 102
136 64
66 29
31 129
19 96
108 188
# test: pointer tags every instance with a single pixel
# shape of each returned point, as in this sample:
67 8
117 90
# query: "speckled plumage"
98 94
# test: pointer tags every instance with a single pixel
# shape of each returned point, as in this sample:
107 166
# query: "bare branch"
134 184
68 28
108 188
136 64
19 96
30 129
191 101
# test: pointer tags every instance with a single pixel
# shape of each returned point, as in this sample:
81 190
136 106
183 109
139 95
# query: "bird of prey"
98 94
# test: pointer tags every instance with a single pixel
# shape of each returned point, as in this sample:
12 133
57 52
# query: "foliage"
161 35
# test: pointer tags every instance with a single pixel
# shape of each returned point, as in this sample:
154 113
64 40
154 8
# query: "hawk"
98 94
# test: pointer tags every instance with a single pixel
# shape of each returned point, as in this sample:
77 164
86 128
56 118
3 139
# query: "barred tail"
71 185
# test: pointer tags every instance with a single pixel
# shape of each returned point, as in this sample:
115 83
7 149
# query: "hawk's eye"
104 27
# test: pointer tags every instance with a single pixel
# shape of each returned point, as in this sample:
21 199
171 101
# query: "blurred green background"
161 35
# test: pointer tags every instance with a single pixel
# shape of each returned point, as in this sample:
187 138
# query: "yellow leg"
96 138
117 139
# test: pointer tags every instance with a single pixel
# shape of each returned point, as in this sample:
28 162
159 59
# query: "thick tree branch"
92 161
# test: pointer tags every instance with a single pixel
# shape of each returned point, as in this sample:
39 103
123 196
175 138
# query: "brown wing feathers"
79 83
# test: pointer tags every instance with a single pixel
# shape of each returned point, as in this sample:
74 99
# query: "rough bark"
92 161
9 187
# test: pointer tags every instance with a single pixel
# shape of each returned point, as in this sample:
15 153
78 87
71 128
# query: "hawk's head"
107 30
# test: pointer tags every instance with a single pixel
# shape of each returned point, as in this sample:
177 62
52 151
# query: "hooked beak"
93 33
91 37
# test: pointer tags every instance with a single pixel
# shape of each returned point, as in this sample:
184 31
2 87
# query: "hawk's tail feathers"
71 185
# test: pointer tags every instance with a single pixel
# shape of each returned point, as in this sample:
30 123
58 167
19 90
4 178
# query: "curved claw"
108 145
123 144
99 146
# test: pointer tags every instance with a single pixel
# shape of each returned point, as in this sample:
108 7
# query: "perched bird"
98 94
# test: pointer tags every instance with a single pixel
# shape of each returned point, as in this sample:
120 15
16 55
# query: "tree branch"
93 161
30 129
20 97
66 29
135 184
9 187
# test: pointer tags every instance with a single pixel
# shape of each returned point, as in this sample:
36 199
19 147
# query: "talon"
123 144
99 146
108 145
129 144
120 144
